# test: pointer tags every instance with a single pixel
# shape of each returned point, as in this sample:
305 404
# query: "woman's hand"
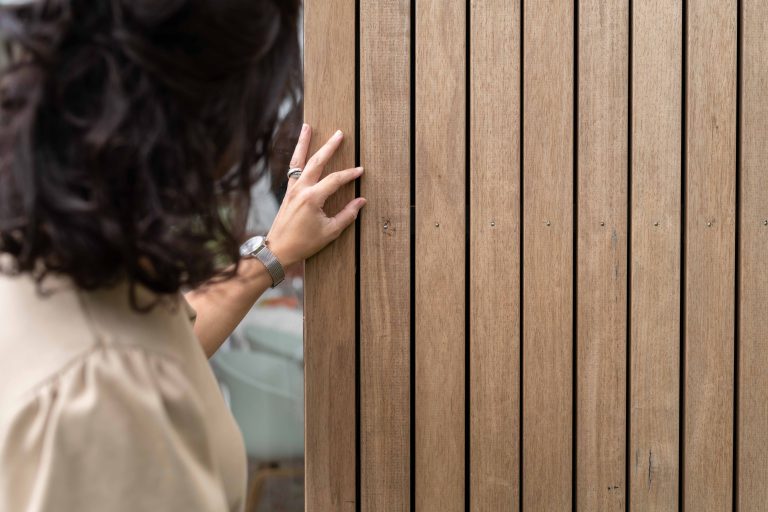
299 231
301 227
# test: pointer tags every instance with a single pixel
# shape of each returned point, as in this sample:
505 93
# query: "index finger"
299 158
316 164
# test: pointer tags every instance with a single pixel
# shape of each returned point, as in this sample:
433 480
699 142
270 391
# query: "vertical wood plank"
655 259
602 254
385 256
495 255
440 254
710 254
753 352
329 358
547 254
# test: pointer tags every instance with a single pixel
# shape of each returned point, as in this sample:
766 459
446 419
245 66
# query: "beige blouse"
106 409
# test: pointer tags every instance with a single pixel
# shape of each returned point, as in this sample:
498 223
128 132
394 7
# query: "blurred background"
260 368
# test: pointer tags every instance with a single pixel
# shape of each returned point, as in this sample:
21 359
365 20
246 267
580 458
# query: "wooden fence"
561 295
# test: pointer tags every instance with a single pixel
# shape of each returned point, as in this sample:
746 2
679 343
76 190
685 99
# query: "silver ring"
294 172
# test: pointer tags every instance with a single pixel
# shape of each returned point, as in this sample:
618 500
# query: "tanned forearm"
221 306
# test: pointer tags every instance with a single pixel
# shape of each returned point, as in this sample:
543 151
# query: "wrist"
258 248
283 255
254 273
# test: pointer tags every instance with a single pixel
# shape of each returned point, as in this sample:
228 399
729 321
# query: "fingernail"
360 170
361 202
338 134
304 127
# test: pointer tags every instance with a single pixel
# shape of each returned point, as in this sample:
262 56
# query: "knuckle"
305 196
334 228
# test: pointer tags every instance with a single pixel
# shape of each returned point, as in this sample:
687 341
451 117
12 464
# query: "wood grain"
440 250
655 259
710 254
385 256
547 255
535 201
602 254
329 346
753 374
495 255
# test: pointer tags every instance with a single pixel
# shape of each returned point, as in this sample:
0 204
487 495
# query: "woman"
130 134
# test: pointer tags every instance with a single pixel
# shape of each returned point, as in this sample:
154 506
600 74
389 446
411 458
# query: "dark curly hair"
132 130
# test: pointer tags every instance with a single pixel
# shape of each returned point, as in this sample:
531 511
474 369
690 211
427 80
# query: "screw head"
437 224
493 223
656 223
765 222
709 224
548 223
602 223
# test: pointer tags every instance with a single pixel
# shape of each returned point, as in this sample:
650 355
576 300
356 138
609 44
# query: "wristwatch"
256 247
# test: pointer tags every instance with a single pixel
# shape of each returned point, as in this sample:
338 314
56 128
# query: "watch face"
251 246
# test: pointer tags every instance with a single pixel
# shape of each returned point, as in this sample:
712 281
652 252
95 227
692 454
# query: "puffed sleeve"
118 430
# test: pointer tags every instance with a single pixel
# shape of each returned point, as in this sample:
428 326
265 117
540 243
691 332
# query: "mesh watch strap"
274 267
257 248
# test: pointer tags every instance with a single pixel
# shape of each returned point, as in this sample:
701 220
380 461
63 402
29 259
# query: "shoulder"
132 425
126 397
39 334
45 329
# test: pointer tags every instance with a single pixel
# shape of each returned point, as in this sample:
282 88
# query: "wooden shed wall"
557 296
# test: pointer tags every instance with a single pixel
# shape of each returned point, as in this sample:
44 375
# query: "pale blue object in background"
266 395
